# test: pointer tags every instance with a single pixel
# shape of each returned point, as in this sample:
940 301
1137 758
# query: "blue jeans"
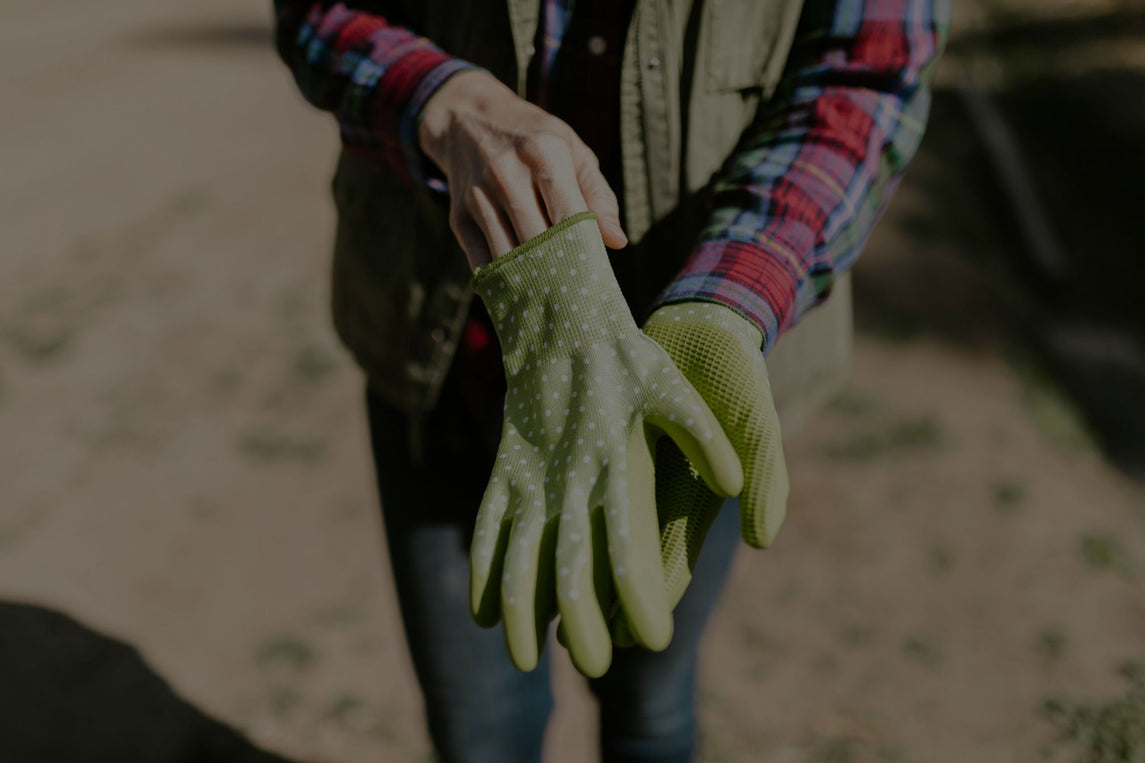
479 707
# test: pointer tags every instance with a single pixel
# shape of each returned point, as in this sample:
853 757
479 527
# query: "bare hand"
513 169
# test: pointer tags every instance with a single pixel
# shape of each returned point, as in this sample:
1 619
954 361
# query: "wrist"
466 91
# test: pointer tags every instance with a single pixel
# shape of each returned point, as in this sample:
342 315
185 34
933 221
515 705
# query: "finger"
763 505
599 197
634 545
515 194
601 567
492 220
486 554
520 587
686 509
586 634
472 241
559 188
682 414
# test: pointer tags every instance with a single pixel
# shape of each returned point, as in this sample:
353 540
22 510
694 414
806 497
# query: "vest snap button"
654 62
437 335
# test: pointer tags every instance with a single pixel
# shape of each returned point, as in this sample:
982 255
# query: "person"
732 156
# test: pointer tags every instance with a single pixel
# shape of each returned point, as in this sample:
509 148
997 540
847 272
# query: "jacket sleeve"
794 204
372 72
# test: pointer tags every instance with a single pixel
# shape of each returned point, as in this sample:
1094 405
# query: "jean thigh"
479 707
647 699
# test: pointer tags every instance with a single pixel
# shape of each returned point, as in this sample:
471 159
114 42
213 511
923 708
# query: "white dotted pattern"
582 378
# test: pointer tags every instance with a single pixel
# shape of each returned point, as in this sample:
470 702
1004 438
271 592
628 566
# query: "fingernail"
616 230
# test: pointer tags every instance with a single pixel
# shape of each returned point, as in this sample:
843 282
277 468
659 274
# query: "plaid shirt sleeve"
794 204
374 75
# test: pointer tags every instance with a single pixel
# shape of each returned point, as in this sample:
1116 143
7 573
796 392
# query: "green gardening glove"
719 353
570 511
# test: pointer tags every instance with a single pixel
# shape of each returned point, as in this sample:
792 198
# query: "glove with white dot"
570 512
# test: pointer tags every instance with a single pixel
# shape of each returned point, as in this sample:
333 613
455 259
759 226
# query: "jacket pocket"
741 40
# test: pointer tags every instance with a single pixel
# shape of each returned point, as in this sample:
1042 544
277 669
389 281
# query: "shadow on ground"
1081 132
71 695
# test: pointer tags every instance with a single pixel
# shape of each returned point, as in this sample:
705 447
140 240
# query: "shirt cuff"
397 90
760 284
421 168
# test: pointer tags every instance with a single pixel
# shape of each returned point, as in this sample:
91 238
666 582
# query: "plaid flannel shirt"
792 206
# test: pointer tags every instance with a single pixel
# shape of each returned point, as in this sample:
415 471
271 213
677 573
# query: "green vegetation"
942 558
1009 496
271 445
926 651
287 652
1112 732
1103 552
1053 642
922 433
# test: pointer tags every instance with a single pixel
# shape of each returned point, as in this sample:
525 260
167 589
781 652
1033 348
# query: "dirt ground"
184 461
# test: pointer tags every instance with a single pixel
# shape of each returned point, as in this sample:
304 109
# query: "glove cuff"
510 270
555 294
706 314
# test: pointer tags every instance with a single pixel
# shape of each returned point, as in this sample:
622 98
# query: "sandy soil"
184 463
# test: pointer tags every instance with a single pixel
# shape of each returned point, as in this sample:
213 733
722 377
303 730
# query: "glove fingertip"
726 478
593 664
656 638
524 657
763 509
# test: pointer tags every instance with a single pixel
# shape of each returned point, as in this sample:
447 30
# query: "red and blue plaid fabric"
372 74
792 207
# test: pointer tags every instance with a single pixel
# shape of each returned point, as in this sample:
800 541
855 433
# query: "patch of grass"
919 434
1009 496
942 558
1103 552
271 445
39 340
1052 411
1052 643
286 654
1110 732
925 651
350 711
